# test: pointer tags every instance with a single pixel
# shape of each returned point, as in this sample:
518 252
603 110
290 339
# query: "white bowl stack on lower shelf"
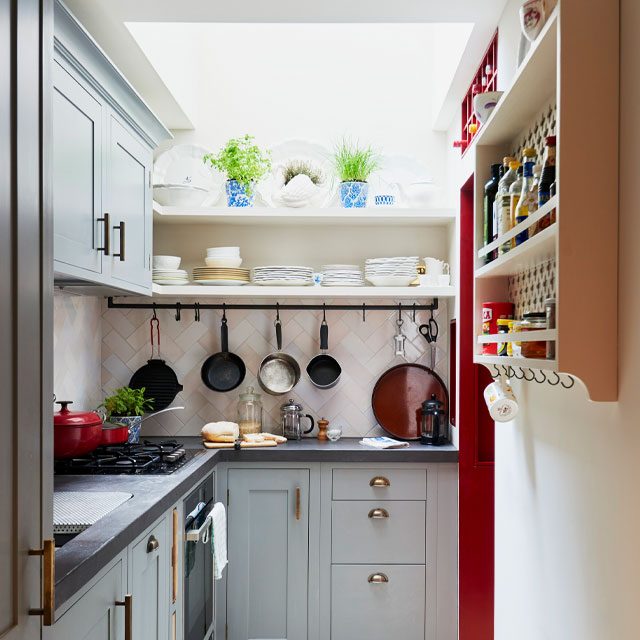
166 271
391 272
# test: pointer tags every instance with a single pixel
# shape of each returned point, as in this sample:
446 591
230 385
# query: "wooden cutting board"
243 445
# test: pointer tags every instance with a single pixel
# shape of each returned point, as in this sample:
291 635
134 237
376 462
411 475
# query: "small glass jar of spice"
534 321
503 327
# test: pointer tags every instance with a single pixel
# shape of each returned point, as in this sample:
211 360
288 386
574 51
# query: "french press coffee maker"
432 415
291 419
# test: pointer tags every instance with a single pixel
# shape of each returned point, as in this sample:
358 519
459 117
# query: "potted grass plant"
298 183
245 164
125 407
354 164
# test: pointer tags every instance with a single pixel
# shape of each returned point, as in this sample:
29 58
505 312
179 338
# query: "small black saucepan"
324 370
223 371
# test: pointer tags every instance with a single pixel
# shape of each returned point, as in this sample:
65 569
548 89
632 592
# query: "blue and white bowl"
237 194
132 422
385 200
354 194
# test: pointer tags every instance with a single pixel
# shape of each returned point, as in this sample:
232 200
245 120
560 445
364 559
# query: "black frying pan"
223 371
324 370
158 379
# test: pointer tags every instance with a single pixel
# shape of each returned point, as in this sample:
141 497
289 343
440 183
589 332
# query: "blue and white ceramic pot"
354 194
132 422
237 194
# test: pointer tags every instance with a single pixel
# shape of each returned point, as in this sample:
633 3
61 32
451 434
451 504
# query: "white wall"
567 471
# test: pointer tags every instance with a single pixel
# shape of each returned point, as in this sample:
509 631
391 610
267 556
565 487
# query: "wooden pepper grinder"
322 429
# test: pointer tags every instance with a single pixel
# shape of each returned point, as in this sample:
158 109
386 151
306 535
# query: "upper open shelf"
308 216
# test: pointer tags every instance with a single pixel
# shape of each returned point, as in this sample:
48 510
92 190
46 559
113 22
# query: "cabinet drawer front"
378 483
383 531
377 610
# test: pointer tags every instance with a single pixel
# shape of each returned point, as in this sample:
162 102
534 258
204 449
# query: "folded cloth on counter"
219 539
382 442
214 430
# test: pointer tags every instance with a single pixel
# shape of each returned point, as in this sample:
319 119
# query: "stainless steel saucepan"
279 372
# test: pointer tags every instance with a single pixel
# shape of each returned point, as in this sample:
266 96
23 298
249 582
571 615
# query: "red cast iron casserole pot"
75 432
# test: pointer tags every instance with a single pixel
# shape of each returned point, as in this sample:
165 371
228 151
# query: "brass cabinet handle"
127 603
122 236
298 503
378 513
107 228
379 481
48 554
174 557
378 578
152 545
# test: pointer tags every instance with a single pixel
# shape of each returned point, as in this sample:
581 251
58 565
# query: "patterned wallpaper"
364 350
77 338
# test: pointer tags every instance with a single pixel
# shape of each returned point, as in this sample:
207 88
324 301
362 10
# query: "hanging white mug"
435 267
501 401
532 18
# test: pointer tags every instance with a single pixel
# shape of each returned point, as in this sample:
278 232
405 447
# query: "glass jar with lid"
534 321
249 412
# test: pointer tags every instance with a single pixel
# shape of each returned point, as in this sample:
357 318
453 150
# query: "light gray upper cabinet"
103 140
148 565
77 175
128 200
268 548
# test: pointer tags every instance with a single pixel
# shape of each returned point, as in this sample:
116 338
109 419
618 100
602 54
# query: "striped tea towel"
219 539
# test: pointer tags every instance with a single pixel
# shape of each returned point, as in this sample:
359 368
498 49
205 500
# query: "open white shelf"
525 363
520 336
308 216
529 254
532 85
254 291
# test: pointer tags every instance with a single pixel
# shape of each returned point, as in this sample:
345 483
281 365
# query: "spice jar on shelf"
250 412
550 313
503 327
534 321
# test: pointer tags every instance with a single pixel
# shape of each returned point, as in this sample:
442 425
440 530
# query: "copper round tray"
398 396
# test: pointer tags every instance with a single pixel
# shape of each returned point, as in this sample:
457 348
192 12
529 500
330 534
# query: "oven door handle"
201 533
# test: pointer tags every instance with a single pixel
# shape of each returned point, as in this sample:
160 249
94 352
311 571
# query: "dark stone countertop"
84 556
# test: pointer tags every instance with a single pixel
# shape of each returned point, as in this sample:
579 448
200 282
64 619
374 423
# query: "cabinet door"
95 615
148 574
128 201
77 176
268 554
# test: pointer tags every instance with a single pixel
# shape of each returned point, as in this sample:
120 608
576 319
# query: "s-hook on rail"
178 307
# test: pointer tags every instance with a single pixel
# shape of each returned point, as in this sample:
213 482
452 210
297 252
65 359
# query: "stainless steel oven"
198 563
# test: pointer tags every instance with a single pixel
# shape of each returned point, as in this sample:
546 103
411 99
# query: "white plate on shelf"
391 281
172 283
283 283
222 283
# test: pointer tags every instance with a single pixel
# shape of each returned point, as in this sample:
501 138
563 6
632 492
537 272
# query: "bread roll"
212 429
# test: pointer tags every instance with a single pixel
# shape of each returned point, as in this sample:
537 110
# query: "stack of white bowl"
391 272
342 275
223 257
166 271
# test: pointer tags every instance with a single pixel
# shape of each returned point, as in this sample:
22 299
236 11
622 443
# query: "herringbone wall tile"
364 350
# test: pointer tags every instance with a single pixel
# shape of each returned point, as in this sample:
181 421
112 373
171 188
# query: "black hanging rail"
180 306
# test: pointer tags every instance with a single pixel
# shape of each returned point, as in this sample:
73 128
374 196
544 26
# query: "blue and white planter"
353 195
132 422
237 194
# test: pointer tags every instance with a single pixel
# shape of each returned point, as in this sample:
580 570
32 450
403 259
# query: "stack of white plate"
170 277
223 257
220 276
391 272
342 275
282 276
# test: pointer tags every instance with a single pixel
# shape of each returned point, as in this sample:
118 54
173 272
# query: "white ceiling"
105 20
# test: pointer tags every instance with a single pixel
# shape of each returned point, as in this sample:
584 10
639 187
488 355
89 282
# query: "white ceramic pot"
484 104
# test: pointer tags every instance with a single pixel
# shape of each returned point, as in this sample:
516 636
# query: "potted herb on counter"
126 407
354 165
244 163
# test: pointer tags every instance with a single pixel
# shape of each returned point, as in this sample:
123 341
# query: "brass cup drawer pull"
127 603
378 578
48 554
379 481
379 513
153 544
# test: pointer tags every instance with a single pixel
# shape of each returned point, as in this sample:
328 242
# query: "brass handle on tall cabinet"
48 553
121 228
107 228
152 544
378 578
127 603
378 513
174 557
379 481
298 503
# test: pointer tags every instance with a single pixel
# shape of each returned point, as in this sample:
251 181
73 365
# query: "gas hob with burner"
148 458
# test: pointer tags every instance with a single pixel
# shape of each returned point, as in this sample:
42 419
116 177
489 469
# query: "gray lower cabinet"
149 559
95 615
268 548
